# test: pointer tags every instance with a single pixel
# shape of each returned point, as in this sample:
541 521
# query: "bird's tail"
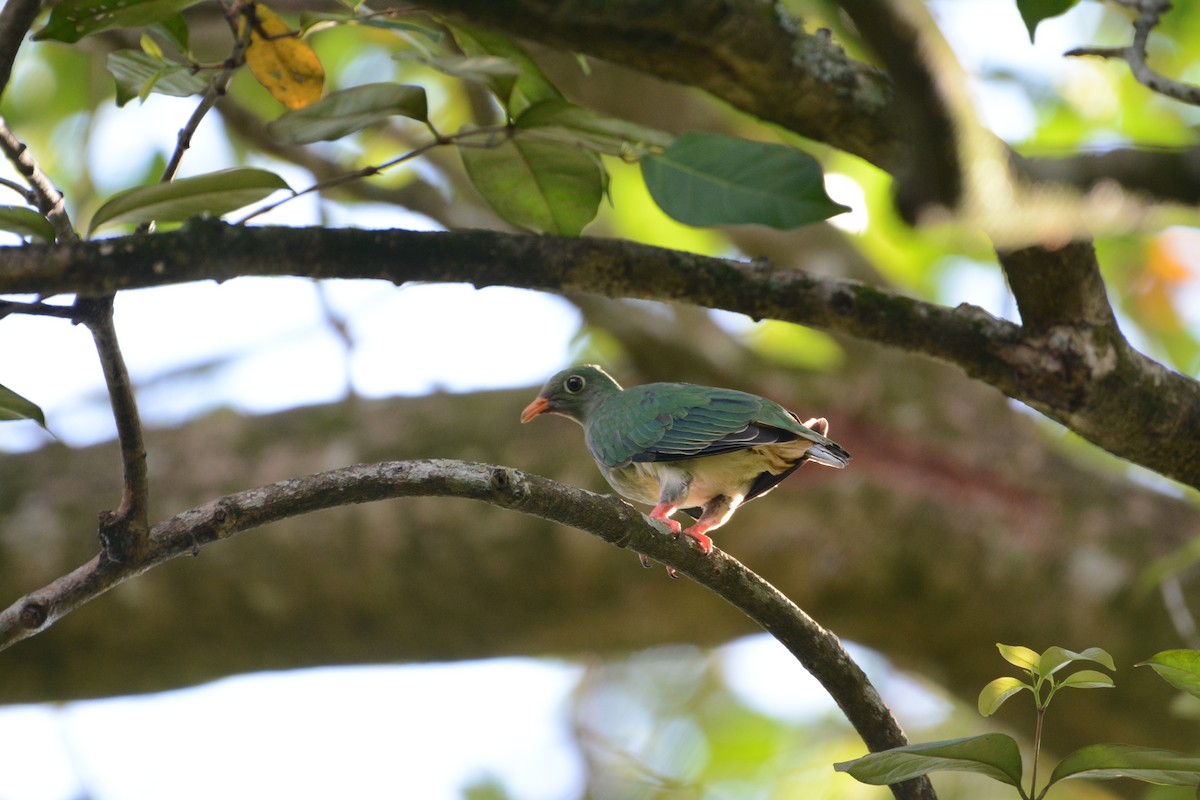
825 451
828 454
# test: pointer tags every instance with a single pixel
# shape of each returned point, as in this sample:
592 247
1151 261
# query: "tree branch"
750 54
601 515
49 199
746 52
1149 12
15 19
1085 377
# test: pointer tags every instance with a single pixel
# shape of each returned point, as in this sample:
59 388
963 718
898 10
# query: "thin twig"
216 88
26 194
1149 13
38 310
123 531
48 198
459 138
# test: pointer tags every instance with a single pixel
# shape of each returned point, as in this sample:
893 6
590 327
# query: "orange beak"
540 405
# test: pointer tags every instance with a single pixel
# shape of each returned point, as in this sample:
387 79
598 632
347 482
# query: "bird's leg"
662 512
697 532
818 424
716 512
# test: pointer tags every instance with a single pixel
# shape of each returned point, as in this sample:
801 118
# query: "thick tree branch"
751 55
602 515
932 110
15 19
1085 377
746 52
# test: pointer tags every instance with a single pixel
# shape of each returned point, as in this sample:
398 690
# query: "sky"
281 734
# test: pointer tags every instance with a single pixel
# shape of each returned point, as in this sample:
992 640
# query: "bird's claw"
646 563
702 539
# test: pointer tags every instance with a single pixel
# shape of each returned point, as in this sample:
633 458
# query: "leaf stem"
1037 749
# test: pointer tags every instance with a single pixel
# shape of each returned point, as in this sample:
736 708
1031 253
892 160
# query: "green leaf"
706 179
1020 656
996 692
1180 668
591 129
26 222
1087 679
14 406
139 73
175 30
529 87
1104 761
1034 11
71 20
992 754
1055 658
484 69
542 186
214 193
342 113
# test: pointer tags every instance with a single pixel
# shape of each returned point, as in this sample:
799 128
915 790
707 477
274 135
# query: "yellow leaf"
285 66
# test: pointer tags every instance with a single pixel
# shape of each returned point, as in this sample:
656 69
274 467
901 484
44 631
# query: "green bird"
679 446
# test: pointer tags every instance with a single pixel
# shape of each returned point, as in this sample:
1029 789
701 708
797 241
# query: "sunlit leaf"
283 63
1055 658
992 754
71 20
530 85
706 179
14 406
1034 11
1087 679
26 222
542 186
995 693
1103 761
138 73
1180 668
1019 656
342 113
591 128
214 193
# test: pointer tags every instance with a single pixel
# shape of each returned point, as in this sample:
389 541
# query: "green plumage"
697 448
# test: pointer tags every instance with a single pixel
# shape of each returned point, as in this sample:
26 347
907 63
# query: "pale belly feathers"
695 482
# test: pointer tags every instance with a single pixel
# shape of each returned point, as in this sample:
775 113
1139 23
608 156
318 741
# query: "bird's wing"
674 421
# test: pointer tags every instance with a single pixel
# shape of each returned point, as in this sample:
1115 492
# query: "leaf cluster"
997 755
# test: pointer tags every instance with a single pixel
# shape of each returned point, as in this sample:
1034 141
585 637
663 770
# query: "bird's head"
573 393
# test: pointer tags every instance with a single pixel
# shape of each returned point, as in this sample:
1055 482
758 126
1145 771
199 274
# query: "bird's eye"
574 384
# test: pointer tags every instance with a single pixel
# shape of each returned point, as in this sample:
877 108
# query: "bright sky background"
372 731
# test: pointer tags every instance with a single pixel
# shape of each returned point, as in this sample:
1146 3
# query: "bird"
683 447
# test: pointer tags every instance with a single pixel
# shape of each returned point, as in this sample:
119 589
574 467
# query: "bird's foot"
818 424
662 512
705 542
